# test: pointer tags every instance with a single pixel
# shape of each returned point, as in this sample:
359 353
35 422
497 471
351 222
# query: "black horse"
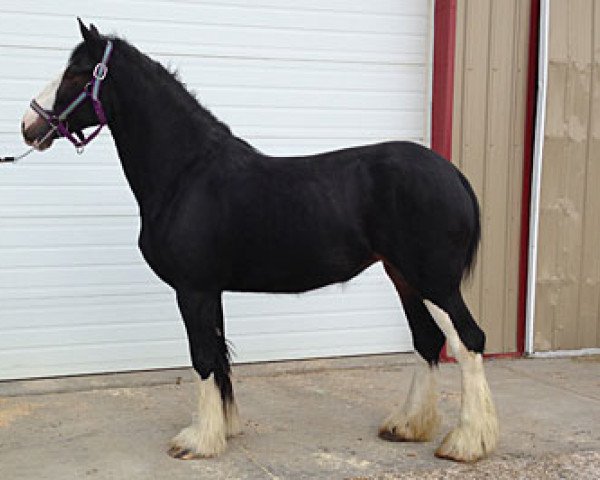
216 215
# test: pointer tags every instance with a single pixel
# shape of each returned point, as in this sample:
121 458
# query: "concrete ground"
302 420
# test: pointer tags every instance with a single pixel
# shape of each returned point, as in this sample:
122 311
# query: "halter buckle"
100 71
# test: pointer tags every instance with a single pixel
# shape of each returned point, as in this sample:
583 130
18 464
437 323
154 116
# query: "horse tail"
475 234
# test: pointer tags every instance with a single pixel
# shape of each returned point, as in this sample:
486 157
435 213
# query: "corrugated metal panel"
568 273
292 77
489 114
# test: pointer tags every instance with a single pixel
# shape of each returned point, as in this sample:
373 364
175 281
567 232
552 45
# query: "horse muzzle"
38 134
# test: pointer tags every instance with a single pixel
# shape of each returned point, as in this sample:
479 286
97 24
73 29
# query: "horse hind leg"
477 432
418 419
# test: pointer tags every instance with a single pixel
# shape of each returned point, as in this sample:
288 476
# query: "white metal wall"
292 77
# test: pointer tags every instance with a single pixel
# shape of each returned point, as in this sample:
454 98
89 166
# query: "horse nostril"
27 136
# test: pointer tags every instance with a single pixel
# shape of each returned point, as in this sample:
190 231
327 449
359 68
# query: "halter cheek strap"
91 91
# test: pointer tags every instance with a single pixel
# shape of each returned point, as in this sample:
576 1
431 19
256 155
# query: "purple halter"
91 91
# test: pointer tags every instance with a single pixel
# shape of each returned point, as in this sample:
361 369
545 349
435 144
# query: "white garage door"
290 76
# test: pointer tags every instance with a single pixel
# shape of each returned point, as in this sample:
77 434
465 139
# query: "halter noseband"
91 91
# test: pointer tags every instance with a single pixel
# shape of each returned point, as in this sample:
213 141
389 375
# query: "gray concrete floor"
310 419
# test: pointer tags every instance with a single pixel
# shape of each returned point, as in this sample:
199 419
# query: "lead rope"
16 158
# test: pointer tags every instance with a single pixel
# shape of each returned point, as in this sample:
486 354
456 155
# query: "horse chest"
176 255
153 252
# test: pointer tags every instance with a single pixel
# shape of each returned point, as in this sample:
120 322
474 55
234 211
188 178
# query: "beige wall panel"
568 279
515 200
472 287
457 104
494 215
589 295
489 110
589 331
515 172
549 279
587 327
577 119
472 120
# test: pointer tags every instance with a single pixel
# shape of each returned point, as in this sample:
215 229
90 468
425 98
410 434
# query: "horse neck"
159 129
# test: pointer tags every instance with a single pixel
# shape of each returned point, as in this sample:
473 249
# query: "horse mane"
171 78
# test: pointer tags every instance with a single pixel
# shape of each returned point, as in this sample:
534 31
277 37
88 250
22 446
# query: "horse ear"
91 37
85 33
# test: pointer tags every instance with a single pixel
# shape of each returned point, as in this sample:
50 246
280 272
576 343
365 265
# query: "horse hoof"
420 427
194 442
181 453
405 433
465 445
392 435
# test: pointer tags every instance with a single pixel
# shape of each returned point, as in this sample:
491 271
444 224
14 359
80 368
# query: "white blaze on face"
45 99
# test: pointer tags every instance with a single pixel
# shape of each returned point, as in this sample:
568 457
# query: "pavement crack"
262 467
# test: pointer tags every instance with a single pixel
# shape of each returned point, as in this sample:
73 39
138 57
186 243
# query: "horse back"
256 223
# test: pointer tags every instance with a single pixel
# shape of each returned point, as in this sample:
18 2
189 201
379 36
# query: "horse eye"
73 74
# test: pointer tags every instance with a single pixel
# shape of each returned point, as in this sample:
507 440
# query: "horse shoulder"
182 241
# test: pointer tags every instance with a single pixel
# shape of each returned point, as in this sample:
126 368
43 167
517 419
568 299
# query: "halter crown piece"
91 91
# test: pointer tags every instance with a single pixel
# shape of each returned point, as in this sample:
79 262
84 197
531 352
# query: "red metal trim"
491 356
529 135
442 97
503 355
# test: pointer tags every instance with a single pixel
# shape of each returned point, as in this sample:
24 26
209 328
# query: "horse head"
61 109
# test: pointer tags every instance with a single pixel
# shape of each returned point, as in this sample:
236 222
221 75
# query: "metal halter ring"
100 71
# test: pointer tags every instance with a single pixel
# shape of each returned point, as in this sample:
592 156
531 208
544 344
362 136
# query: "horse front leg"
216 417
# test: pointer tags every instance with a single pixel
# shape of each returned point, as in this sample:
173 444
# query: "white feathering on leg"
205 437
477 432
233 425
417 420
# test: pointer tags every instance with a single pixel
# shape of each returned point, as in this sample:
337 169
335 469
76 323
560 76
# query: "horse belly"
299 267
